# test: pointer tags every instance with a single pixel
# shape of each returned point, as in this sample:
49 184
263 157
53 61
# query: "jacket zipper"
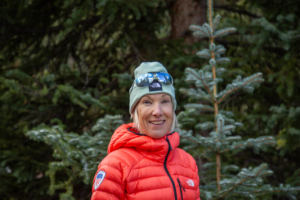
181 188
166 169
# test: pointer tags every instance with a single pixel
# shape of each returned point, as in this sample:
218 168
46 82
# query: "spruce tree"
207 126
76 155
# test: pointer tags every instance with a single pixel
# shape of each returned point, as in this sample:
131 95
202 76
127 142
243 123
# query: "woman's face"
155 115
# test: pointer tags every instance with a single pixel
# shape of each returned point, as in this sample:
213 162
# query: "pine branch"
200 107
237 10
199 140
234 89
280 189
236 185
206 87
251 142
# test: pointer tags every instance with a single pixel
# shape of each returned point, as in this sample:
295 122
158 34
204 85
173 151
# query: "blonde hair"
136 121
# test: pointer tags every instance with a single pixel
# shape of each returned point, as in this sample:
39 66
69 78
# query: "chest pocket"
185 186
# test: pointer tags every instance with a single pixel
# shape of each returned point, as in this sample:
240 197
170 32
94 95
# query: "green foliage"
249 182
269 42
66 64
284 120
62 63
215 135
76 156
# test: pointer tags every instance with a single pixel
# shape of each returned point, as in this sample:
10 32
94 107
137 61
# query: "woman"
144 161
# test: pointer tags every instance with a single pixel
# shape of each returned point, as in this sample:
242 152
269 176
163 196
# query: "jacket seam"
181 188
166 169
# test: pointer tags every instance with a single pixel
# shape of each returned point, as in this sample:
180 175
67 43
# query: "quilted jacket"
141 167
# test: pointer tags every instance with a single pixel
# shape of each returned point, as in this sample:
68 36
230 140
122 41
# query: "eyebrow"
162 95
146 96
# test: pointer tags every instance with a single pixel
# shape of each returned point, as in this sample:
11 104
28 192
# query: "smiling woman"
144 161
154 115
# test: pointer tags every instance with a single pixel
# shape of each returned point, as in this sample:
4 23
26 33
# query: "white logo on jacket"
190 182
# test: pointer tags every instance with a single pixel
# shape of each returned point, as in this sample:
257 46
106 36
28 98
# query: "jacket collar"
128 137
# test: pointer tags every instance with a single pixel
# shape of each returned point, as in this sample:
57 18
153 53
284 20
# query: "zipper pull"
181 188
180 184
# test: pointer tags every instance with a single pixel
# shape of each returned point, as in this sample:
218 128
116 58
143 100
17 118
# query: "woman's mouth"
157 122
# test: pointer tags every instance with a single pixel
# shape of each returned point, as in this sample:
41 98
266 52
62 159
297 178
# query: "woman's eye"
165 101
146 102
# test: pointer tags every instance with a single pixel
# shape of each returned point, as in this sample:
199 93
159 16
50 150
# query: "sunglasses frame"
146 79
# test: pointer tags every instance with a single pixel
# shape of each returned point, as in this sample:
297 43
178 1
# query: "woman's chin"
156 133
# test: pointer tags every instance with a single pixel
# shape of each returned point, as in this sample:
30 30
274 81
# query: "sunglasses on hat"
147 79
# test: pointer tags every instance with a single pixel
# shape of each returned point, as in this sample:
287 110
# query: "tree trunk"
183 14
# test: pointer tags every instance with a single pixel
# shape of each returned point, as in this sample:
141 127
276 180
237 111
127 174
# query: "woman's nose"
157 110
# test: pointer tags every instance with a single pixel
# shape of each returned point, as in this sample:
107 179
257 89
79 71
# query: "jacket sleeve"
196 176
109 181
198 192
198 180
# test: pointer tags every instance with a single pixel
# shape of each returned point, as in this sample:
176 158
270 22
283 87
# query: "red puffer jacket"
140 167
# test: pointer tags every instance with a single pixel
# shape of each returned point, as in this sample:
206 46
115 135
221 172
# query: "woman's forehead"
159 95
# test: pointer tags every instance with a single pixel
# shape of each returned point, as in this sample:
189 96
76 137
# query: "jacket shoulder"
120 161
113 171
126 157
187 160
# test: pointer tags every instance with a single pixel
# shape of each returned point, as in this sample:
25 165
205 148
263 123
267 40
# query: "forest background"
66 68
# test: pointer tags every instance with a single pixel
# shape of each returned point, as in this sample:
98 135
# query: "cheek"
142 119
169 113
142 116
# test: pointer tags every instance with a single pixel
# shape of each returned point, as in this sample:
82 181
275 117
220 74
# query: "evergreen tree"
65 64
76 155
208 115
268 36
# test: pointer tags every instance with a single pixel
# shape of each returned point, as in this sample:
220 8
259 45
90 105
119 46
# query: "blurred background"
66 68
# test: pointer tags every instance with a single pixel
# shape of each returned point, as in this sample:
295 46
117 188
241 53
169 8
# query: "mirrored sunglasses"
146 79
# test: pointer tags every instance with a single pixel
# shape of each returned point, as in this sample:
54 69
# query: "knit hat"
149 79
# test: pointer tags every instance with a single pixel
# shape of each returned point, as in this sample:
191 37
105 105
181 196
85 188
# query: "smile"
160 122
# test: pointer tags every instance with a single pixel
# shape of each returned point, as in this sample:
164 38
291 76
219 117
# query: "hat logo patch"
155 86
99 178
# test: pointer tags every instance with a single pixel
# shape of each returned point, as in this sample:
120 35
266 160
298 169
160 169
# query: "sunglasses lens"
164 78
142 80
146 79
